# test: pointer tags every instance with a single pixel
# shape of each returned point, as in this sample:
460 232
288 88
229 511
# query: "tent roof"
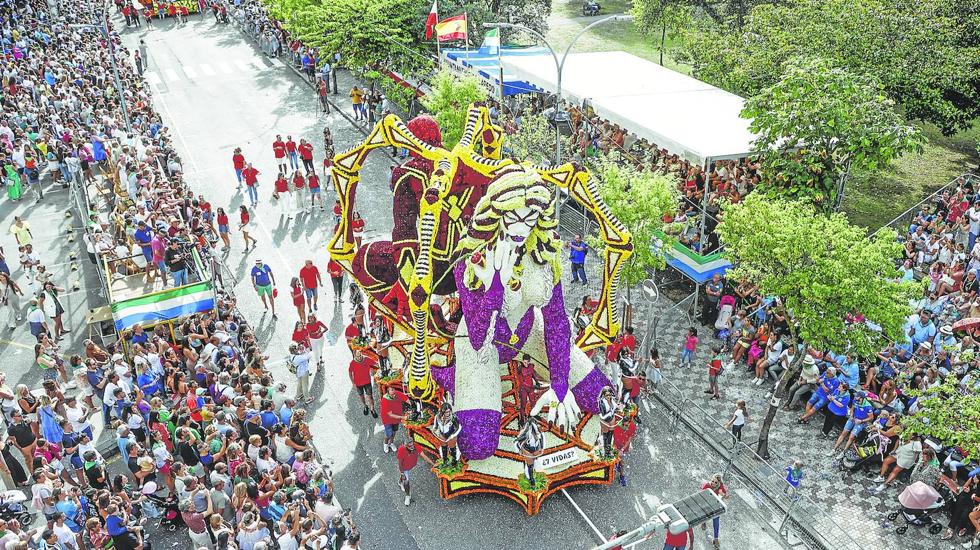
677 112
486 63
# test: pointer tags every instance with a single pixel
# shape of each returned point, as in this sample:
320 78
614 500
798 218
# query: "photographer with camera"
176 261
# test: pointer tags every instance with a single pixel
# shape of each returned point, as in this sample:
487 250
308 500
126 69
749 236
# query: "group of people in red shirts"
297 184
178 12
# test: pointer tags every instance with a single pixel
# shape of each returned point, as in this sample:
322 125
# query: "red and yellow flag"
453 28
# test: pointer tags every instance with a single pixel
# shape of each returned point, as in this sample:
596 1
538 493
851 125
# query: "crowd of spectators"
208 440
863 400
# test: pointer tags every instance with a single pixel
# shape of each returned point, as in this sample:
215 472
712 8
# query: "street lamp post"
104 29
559 64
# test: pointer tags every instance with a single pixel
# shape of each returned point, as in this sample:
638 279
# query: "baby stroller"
170 518
919 502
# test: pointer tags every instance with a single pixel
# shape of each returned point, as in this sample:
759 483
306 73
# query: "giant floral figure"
511 295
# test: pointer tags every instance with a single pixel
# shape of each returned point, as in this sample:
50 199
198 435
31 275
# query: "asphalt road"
217 92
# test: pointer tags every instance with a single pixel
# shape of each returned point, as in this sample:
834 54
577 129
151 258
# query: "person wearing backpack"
714 371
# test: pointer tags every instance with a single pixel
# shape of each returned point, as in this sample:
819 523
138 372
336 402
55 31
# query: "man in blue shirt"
269 416
579 249
147 380
862 413
850 372
123 536
263 282
138 336
922 329
143 235
821 396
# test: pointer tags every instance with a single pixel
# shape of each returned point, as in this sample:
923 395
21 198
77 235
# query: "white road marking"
172 75
152 77
189 71
206 69
225 68
257 64
243 65
585 517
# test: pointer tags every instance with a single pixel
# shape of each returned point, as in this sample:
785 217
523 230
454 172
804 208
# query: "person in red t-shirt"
318 332
306 153
356 328
222 218
301 335
299 183
291 152
336 214
408 456
714 369
310 276
279 150
336 272
527 383
238 161
717 485
296 293
360 375
282 194
251 176
629 341
622 437
679 541
313 182
392 414
357 228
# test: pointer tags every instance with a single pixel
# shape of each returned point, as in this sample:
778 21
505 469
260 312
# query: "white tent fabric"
681 114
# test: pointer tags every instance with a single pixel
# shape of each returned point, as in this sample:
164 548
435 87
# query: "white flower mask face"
517 224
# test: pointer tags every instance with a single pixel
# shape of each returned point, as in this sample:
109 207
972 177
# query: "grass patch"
613 36
874 199
540 483
449 469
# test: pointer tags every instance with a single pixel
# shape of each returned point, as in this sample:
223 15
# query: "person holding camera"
176 263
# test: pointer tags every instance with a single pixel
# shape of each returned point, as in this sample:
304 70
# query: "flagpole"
500 65
466 35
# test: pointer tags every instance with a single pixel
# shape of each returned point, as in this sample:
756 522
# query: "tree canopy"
449 102
949 413
925 53
366 33
818 123
639 200
823 268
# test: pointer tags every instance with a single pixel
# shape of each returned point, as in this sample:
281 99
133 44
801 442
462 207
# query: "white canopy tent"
687 117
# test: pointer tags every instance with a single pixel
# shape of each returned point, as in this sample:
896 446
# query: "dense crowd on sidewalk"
209 439
860 402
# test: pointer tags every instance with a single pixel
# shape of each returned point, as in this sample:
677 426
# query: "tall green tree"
368 34
449 102
531 13
949 413
818 123
926 53
822 268
639 200
662 18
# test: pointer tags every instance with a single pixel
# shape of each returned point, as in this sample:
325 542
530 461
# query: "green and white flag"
491 42
164 305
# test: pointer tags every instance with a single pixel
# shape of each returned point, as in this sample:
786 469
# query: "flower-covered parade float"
470 283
